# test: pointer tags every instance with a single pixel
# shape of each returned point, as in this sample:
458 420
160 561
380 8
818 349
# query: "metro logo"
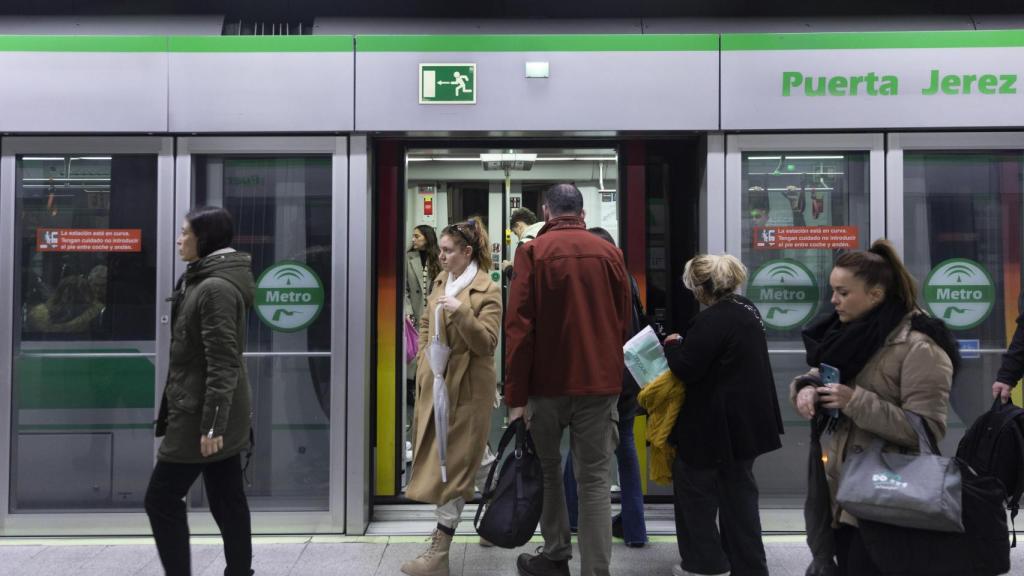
785 292
289 296
961 292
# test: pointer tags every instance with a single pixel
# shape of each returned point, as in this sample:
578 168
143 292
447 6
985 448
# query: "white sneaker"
677 570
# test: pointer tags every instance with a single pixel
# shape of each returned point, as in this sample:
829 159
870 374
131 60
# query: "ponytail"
881 266
472 233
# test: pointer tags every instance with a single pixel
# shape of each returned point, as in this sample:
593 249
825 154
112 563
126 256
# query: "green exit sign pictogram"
447 83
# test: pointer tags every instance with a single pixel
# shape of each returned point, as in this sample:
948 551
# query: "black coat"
1012 367
731 412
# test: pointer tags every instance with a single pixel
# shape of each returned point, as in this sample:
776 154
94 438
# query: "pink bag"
412 340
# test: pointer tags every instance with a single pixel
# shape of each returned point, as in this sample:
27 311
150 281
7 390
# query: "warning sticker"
88 240
805 237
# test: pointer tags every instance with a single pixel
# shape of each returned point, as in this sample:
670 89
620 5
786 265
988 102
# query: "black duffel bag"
983 549
510 509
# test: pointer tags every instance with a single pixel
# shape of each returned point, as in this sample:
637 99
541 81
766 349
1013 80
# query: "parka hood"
235 267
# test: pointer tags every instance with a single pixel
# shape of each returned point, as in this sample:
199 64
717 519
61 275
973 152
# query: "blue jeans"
634 528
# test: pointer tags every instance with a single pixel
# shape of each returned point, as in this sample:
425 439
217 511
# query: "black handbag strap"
523 442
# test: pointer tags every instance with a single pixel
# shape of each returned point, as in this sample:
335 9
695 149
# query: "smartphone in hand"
829 377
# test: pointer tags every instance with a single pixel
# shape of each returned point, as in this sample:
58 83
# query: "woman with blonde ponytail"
730 417
464 307
892 358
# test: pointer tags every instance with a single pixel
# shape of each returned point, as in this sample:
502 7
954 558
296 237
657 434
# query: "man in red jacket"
567 317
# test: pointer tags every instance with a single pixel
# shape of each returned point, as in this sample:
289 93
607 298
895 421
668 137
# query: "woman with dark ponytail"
891 356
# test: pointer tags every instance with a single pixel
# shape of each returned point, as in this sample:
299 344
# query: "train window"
799 208
83 399
281 206
962 238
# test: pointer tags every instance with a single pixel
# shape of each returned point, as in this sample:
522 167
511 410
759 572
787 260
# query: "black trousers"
728 492
165 506
851 555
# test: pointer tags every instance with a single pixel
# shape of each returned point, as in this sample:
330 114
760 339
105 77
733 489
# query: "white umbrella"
438 357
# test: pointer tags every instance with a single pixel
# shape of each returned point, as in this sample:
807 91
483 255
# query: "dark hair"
563 199
432 250
213 227
71 299
881 266
524 215
473 234
602 233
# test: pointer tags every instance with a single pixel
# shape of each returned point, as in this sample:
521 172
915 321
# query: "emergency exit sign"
447 83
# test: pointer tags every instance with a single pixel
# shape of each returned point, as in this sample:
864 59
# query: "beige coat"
910 372
472 334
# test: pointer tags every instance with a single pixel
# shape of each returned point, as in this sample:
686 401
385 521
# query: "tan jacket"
910 372
472 334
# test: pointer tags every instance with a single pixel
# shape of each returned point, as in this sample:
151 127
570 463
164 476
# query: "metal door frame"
333 519
57 524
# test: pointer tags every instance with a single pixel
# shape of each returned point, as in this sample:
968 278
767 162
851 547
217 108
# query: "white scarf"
451 289
457 285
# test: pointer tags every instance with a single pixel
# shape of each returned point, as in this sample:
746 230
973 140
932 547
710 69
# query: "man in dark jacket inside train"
568 314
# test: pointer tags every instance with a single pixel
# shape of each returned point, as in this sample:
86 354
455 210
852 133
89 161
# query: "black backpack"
511 508
994 446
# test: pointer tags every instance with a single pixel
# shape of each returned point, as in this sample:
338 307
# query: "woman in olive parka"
205 412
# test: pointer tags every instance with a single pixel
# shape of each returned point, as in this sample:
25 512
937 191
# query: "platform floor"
345 556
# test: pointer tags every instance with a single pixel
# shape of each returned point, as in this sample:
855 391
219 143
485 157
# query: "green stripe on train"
48 383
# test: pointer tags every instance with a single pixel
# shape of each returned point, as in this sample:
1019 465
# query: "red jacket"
567 317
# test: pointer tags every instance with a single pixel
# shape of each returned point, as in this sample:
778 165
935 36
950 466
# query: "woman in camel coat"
470 304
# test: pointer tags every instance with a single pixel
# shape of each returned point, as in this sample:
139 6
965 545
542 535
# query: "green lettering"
987 84
951 84
1007 86
890 86
933 87
872 79
811 90
854 82
837 86
790 80
968 80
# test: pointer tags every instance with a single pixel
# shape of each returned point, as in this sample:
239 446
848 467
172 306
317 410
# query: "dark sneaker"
617 527
541 565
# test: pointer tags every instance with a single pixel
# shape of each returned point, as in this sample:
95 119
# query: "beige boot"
434 560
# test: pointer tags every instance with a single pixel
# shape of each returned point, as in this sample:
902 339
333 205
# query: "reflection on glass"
282 211
798 210
290 466
446 186
967 205
84 331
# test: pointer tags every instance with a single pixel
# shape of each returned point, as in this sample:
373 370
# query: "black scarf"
849 346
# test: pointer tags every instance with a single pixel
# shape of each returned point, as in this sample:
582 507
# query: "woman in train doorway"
205 411
730 417
421 267
468 304
891 358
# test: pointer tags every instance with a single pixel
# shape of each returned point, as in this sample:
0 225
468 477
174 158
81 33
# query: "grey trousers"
593 432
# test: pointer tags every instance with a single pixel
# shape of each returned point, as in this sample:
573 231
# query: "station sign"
447 83
88 240
805 237
289 296
960 292
857 80
785 292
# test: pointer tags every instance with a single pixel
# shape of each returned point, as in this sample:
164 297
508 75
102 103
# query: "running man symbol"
448 83
459 82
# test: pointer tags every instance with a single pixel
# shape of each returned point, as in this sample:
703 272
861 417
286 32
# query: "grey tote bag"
910 490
